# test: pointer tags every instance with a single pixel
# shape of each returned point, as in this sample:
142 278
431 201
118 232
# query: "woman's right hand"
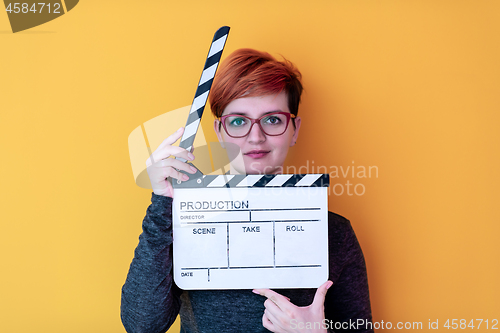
160 166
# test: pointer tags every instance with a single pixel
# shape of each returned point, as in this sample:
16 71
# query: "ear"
217 127
296 133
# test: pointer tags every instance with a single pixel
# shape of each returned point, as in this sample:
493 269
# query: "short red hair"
254 73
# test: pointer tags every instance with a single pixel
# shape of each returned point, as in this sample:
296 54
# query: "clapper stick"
201 95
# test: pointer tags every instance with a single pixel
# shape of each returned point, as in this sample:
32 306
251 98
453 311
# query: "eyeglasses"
272 124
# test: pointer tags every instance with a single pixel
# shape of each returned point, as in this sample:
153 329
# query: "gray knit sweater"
151 300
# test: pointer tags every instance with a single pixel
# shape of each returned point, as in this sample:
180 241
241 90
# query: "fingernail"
255 292
179 129
193 169
191 156
185 177
329 285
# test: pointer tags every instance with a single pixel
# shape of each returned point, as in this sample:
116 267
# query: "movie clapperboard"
246 231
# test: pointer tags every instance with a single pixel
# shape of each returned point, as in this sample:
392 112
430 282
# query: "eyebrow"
246 114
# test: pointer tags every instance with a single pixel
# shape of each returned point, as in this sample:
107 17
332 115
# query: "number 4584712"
463 324
36 8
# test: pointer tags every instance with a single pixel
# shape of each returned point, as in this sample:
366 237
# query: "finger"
319 297
170 189
179 165
280 316
257 291
277 316
173 138
160 171
176 151
281 301
159 182
267 323
277 324
171 167
165 189
272 307
167 151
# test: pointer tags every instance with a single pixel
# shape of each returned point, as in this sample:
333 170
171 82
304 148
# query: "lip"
257 153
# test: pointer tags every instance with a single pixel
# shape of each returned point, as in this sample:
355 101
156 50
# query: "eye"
236 121
272 120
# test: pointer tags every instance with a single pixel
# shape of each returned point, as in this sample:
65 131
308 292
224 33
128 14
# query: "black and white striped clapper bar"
203 89
247 231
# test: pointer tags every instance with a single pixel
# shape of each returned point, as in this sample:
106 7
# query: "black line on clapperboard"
274 245
228 246
245 210
209 275
250 267
264 221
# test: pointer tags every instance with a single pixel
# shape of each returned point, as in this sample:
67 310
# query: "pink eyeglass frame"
257 121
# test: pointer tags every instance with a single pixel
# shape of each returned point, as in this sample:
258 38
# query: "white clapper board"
247 231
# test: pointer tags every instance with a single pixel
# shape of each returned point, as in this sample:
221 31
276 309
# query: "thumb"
319 297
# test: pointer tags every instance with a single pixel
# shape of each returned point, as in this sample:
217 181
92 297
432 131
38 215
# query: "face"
258 153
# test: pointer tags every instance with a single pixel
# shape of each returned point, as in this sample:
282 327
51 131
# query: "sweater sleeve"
150 300
347 302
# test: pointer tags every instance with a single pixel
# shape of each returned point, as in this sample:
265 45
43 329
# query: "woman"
255 99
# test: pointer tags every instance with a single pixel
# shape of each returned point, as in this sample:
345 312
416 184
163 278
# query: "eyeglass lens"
272 124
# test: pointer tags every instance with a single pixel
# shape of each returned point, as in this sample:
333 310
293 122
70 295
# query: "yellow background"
411 87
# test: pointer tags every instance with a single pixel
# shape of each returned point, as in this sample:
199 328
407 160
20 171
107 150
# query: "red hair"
250 73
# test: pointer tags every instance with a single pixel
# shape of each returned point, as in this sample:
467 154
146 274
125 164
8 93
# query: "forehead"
256 106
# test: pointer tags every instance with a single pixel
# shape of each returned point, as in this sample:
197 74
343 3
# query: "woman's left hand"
283 316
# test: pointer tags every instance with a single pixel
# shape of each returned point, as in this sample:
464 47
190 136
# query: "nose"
256 135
